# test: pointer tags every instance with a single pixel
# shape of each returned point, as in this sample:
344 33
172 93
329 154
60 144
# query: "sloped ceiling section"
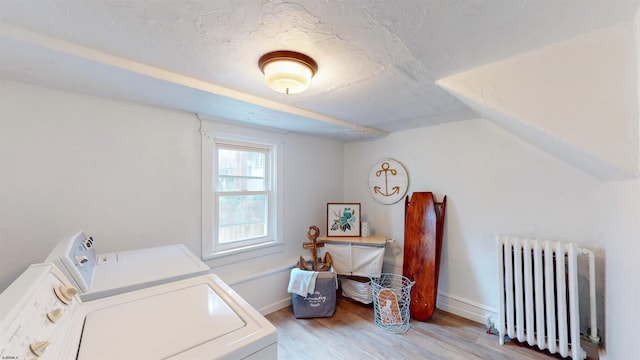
574 99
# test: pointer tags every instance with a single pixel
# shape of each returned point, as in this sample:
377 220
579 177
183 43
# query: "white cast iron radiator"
539 302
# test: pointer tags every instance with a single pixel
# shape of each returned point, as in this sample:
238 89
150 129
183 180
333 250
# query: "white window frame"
215 132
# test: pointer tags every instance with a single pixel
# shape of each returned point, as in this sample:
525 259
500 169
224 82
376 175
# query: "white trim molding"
465 308
212 130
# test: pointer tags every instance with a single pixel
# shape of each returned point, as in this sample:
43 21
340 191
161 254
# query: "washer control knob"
80 260
55 314
88 243
38 347
65 293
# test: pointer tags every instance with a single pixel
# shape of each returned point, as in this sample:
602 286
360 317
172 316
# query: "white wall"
127 174
621 226
495 183
621 223
130 176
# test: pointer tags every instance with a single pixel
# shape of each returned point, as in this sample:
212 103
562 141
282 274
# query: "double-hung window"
241 197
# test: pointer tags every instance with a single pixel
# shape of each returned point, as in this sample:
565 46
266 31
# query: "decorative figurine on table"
312 234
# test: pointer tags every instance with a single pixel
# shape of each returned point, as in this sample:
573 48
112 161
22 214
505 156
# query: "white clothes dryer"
100 275
201 317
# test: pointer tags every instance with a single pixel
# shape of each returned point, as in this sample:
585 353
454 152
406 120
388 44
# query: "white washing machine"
97 276
43 318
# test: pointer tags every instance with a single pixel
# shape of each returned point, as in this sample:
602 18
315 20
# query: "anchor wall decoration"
388 181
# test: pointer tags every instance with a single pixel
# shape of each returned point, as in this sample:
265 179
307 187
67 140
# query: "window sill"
233 256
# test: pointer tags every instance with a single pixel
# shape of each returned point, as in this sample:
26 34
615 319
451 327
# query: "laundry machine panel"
102 275
195 318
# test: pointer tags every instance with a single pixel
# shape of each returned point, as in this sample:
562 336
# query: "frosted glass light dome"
287 72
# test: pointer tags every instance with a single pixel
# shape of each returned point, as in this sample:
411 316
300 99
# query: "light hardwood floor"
352 334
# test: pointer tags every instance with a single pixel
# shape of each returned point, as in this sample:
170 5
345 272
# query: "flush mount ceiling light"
288 72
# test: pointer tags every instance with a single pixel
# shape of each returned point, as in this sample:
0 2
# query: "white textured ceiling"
378 60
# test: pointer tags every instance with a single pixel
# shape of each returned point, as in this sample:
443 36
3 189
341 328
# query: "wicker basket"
358 289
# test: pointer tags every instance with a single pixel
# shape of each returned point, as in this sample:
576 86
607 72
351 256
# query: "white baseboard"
465 308
447 302
281 304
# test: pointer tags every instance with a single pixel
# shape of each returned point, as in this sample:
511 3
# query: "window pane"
241 170
242 217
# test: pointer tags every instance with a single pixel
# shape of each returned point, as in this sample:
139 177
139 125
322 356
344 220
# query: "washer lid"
125 271
157 327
